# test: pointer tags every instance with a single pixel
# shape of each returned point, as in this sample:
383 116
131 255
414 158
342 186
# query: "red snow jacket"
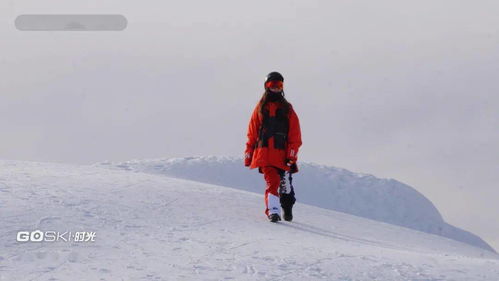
273 137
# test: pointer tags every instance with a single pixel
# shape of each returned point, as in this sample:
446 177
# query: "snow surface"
364 195
153 227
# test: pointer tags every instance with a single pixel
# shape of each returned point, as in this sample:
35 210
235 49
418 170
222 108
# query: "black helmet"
274 76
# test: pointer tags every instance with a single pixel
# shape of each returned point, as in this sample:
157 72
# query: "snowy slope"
152 227
385 200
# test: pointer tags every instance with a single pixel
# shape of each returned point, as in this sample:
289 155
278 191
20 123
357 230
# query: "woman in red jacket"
273 141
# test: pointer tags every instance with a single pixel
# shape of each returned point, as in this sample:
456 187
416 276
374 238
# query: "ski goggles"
274 85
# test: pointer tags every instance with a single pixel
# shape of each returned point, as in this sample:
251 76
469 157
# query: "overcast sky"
400 90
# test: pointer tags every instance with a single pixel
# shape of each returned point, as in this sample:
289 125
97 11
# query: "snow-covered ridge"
364 195
153 227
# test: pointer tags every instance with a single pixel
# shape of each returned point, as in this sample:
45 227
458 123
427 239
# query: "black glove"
293 168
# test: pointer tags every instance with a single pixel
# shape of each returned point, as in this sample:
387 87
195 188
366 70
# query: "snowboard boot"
287 202
274 218
287 213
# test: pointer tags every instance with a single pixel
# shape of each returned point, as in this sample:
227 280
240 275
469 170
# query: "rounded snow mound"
385 200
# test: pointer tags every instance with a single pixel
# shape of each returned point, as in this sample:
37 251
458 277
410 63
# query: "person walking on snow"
274 138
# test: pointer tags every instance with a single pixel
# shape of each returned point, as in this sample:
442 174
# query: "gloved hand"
247 159
291 163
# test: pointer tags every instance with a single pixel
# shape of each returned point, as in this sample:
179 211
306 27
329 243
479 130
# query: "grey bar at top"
71 22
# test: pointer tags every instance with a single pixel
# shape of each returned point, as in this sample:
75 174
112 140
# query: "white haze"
404 90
